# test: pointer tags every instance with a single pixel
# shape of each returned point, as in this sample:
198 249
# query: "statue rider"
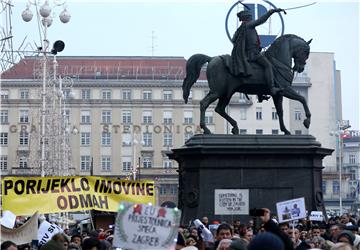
247 48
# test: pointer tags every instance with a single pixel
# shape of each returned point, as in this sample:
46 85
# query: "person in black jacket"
271 226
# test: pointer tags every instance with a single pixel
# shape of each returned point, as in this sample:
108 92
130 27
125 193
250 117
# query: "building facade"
123 114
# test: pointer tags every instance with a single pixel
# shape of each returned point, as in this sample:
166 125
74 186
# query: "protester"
224 231
56 243
91 243
341 246
8 245
224 244
266 241
347 237
76 239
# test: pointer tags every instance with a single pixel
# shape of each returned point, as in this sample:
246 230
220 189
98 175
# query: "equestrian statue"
250 71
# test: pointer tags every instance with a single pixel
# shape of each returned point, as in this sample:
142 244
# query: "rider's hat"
244 14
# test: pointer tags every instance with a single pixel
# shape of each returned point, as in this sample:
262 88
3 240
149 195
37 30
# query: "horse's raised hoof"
306 123
235 131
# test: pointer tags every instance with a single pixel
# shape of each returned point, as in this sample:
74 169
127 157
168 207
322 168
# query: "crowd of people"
338 233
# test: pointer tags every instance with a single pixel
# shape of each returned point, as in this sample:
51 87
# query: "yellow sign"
26 195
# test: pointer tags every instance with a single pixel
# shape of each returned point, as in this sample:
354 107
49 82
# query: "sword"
298 7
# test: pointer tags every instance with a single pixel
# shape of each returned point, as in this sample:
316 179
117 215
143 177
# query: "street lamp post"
46 20
136 160
339 133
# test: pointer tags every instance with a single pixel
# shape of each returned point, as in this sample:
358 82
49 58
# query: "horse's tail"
193 68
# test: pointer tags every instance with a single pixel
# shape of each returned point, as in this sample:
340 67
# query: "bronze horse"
223 85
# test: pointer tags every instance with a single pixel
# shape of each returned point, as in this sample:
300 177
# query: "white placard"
291 210
47 231
231 201
146 227
8 219
316 216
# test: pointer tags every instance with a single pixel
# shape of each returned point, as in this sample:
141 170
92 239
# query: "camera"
256 212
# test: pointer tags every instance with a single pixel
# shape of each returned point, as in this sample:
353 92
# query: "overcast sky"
186 27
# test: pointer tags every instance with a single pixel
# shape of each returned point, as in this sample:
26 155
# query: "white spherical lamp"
27 15
45 9
47 21
65 16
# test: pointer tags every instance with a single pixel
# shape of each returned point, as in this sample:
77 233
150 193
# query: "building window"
147 94
147 116
68 94
106 163
274 115
85 117
209 117
126 94
259 131
188 135
24 116
147 139
242 114
188 117
105 139
86 94
336 187
168 139
3 162
106 116
298 132
126 116
147 162
297 115
23 162
352 159
162 189
126 163
167 163
168 95
126 140
324 187
4 116
258 113
85 163
167 117
106 94
24 138
173 189
85 139
352 173
274 131
3 138
67 115
24 94
4 94
243 131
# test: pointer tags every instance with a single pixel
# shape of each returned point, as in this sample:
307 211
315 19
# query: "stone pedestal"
272 167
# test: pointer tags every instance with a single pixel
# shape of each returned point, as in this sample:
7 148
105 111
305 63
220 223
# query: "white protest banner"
23 234
291 210
146 227
316 216
46 232
8 219
231 201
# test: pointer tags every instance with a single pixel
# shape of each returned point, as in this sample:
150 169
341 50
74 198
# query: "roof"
103 67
